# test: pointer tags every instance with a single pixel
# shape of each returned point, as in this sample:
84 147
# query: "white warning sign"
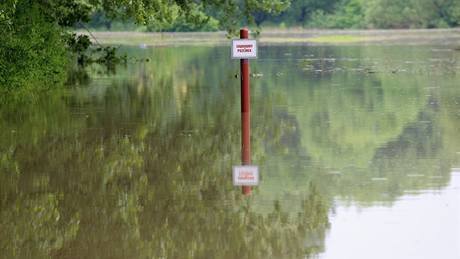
244 49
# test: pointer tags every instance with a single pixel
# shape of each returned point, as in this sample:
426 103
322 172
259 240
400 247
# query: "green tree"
32 52
348 14
367 14
299 12
412 14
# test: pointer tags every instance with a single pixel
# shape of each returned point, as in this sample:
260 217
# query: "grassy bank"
287 36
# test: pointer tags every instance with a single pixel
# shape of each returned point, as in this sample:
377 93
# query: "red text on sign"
244 48
246 176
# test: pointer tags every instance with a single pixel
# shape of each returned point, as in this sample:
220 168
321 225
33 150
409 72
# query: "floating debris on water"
437 59
440 50
309 59
349 59
379 179
411 192
369 70
415 175
435 177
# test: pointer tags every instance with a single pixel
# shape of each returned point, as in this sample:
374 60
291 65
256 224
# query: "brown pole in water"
245 112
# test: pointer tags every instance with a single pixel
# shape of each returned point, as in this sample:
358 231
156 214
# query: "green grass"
337 39
288 36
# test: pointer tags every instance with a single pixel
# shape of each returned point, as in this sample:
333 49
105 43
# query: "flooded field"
292 36
358 149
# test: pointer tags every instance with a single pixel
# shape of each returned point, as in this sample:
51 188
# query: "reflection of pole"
245 112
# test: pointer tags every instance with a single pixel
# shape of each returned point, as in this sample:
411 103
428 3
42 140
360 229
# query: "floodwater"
358 149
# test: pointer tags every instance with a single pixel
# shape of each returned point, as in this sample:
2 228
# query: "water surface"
357 146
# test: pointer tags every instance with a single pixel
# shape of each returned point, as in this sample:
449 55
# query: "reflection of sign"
245 175
242 49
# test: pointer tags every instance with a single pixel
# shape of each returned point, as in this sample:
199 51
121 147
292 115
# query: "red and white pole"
245 112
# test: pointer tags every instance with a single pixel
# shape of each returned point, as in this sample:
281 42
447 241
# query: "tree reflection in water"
138 164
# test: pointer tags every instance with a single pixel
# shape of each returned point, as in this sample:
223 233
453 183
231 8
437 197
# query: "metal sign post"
245 49
245 112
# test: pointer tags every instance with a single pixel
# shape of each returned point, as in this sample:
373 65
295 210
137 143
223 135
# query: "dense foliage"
308 13
32 51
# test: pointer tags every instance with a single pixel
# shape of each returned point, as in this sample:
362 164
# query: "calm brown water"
358 149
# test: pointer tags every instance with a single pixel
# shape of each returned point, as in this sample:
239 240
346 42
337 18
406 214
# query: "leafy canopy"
229 13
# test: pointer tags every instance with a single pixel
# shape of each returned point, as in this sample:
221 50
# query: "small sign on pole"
245 175
244 49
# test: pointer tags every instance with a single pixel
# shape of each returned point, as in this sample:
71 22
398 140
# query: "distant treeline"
385 14
331 14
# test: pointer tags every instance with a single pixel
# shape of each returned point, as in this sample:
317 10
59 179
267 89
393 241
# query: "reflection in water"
137 164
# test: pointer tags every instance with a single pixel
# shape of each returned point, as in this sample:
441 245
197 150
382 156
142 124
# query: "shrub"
33 57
